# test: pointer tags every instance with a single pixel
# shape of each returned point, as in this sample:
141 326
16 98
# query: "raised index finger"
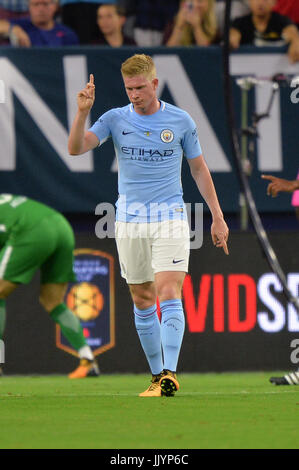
268 177
91 79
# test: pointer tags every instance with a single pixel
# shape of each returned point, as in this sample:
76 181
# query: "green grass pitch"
211 411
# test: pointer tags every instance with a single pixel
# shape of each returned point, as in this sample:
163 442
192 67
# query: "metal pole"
244 151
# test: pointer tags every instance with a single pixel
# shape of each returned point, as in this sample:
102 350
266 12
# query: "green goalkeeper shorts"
48 246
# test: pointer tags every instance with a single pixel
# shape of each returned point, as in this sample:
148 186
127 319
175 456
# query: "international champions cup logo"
85 300
91 299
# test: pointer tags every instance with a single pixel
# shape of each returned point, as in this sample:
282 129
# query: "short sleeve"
190 141
102 127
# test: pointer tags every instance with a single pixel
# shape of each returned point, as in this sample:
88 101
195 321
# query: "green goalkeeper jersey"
18 213
33 236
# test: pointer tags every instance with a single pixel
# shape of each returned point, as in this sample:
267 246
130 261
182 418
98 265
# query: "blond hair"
139 64
208 24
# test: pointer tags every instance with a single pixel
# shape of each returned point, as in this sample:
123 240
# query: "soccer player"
275 186
33 236
152 234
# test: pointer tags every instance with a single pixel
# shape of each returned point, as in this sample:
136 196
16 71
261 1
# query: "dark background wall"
230 297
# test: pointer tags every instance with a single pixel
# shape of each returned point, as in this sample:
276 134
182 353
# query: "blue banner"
91 299
39 104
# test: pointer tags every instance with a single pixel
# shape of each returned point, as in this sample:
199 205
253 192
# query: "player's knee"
6 289
143 299
3 293
143 296
43 301
143 302
169 291
48 303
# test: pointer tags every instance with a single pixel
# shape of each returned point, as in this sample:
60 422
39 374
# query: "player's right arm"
80 140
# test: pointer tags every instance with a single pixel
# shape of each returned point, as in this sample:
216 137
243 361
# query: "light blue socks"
172 331
167 336
149 331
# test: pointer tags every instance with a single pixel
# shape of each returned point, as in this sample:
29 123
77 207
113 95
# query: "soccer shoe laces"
155 382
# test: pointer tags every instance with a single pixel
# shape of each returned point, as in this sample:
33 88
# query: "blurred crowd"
149 23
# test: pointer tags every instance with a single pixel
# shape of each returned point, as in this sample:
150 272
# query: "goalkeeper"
33 236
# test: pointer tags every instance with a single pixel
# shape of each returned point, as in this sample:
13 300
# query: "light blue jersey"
149 151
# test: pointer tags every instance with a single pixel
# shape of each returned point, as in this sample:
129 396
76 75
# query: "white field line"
133 394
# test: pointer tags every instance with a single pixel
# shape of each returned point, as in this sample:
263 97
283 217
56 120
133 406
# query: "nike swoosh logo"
177 261
126 133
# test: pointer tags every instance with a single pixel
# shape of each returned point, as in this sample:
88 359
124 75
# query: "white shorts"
145 249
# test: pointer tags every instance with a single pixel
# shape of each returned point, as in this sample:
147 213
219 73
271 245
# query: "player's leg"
6 288
147 323
169 287
148 329
56 272
135 260
289 379
13 270
170 262
52 299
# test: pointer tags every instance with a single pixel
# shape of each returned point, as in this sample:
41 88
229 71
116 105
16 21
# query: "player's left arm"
202 177
291 36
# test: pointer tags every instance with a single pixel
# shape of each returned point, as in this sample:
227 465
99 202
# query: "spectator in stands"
81 17
238 8
111 19
288 8
10 9
195 24
129 6
40 29
263 27
152 16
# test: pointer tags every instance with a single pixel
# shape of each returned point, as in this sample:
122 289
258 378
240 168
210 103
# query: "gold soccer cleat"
154 390
169 383
86 369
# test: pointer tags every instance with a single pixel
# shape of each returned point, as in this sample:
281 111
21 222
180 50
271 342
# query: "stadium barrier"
237 318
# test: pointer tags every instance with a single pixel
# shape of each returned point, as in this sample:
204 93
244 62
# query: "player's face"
142 93
261 7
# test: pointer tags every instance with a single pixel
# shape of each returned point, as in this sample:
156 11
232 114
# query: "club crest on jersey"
167 136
